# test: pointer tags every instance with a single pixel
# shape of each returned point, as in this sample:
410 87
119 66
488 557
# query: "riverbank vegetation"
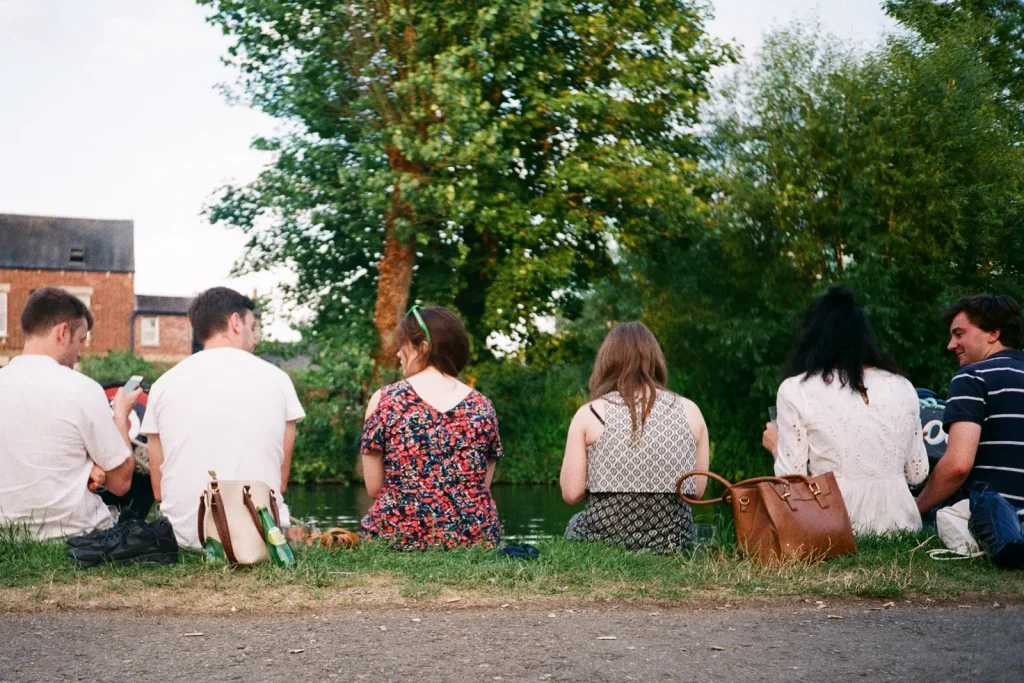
527 163
36 576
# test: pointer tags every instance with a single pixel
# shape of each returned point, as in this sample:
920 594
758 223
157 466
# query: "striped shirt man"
991 394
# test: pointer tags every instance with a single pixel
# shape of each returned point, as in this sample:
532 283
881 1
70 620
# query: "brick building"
160 328
95 261
92 259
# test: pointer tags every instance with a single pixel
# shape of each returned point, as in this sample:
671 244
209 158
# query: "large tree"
489 154
896 172
995 29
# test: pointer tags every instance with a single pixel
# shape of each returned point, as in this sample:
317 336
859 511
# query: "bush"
534 407
334 392
118 366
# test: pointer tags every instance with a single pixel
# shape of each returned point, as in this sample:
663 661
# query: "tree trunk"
393 285
394 273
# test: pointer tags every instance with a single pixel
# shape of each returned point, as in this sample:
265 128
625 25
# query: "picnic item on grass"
952 524
229 524
520 551
781 519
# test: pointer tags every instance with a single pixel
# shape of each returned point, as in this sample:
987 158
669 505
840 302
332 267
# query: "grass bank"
36 576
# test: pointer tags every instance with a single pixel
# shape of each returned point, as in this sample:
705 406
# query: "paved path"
794 641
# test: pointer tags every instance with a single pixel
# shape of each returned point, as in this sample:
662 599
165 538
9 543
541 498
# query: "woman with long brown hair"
430 443
629 445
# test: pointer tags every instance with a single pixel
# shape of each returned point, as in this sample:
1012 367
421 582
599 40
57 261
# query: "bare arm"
491 464
373 461
953 467
122 405
289 445
103 447
373 473
573 479
119 479
700 432
156 459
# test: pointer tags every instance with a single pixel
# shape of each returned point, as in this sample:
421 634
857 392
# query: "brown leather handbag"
780 519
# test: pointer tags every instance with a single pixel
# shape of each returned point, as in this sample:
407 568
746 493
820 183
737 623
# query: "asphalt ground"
795 640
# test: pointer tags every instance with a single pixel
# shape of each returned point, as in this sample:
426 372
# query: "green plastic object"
277 545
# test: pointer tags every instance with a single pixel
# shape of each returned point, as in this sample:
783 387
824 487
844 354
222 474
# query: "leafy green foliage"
118 366
995 27
895 172
508 141
534 407
334 392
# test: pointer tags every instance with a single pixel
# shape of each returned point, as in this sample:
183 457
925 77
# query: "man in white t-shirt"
58 442
222 410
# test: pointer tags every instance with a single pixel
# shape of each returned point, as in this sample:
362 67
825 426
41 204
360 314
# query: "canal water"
527 512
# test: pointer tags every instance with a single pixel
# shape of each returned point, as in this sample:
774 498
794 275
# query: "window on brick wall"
150 331
84 295
4 289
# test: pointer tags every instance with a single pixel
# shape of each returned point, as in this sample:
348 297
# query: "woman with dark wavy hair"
846 408
628 447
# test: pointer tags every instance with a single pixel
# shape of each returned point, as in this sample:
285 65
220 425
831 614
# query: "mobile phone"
132 384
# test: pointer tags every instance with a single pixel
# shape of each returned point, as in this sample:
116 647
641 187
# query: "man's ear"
994 336
63 332
235 323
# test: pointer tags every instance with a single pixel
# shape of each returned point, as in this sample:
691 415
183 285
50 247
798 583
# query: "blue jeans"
996 526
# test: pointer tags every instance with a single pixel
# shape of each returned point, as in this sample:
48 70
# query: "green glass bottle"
214 551
280 552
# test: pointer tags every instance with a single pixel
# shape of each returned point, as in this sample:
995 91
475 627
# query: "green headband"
414 311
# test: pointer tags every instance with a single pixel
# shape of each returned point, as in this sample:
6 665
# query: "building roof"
162 305
43 242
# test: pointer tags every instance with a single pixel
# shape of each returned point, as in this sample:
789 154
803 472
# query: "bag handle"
202 520
727 496
947 554
221 522
709 475
273 508
247 499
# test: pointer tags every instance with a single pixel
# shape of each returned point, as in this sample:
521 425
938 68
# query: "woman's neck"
429 371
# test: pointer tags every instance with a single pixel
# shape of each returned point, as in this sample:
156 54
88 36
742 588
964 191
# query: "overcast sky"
108 109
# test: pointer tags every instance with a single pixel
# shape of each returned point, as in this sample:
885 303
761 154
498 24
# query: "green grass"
33 573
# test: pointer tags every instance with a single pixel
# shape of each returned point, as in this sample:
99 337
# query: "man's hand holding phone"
124 399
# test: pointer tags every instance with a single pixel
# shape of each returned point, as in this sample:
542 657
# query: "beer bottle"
280 552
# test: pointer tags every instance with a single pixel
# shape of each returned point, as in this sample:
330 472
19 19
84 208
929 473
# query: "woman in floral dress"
430 444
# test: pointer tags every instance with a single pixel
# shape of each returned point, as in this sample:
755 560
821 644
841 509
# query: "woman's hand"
770 438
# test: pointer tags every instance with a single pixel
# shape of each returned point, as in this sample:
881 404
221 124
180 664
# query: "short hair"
51 306
209 312
990 312
448 350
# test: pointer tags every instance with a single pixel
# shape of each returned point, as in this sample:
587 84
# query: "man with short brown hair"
57 440
984 413
221 409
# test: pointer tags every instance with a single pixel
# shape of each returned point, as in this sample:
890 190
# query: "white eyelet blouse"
874 448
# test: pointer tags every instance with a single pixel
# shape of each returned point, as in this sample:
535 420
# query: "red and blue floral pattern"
435 470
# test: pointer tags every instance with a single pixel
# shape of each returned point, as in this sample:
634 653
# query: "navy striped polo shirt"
991 393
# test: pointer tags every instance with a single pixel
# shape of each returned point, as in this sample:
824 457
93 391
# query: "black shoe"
98 535
134 542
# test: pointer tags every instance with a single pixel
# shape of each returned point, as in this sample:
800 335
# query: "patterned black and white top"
632 482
